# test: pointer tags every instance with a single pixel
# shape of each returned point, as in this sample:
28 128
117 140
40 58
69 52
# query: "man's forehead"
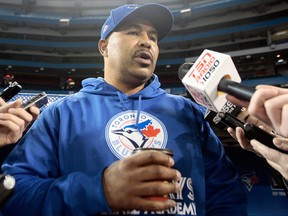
137 23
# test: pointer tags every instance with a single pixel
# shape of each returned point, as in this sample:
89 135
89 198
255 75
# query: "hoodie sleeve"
41 189
225 194
224 191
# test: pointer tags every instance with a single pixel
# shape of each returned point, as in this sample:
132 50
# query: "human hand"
270 105
239 135
276 159
128 183
246 117
14 120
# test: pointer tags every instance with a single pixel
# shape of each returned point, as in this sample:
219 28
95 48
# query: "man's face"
132 52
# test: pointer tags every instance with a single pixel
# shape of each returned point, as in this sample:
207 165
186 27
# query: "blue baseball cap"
159 15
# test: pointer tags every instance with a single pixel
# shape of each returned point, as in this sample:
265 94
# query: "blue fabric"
58 164
159 15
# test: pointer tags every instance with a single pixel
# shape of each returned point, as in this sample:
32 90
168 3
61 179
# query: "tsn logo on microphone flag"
203 78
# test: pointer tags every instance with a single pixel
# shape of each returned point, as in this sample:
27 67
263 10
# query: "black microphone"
236 89
210 115
210 74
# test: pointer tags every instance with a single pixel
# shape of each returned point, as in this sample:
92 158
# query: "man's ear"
102 46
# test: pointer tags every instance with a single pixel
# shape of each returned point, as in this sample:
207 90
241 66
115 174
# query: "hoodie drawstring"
138 113
121 100
138 109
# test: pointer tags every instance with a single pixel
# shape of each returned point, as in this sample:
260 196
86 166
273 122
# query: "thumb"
15 104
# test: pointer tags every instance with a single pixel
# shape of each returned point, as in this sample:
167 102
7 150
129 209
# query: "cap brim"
160 17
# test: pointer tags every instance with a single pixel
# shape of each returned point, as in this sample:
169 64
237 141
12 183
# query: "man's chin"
143 76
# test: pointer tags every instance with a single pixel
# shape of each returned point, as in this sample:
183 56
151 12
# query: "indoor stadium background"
51 46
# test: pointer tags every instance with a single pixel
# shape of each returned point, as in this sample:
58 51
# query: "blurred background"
52 45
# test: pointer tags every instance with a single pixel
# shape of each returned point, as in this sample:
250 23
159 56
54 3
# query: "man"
270 105
77 158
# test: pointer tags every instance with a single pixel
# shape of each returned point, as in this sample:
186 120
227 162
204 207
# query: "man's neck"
126 89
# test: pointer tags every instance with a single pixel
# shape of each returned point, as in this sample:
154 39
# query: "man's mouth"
144 58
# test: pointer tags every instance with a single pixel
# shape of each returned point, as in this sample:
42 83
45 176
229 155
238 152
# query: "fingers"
153 157
239 135
232 132
11 128
153 165
281 142
243 141
270 104
245 116
13 104
275 158
279 90
9 119
15 118
236 101
157 189
276 167
35 111
21 113
277 111
143 175
145 204
149 196
283 127
155 172
258 101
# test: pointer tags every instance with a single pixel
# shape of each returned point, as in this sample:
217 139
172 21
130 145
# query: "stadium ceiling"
44 42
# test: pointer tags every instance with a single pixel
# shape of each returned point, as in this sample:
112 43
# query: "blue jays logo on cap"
160 16
123 134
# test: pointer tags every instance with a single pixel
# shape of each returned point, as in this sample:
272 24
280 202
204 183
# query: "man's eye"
153 38
133 33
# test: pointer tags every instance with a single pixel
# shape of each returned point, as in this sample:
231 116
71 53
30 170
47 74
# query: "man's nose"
145 40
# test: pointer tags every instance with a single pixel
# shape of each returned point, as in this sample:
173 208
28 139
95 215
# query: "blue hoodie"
58 164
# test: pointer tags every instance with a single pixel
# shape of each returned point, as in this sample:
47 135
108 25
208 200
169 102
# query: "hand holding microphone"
270 104
211 77
209 80
218 84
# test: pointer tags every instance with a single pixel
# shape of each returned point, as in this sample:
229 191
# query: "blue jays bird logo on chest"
123 133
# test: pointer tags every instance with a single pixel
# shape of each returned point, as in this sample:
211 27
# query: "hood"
101 87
